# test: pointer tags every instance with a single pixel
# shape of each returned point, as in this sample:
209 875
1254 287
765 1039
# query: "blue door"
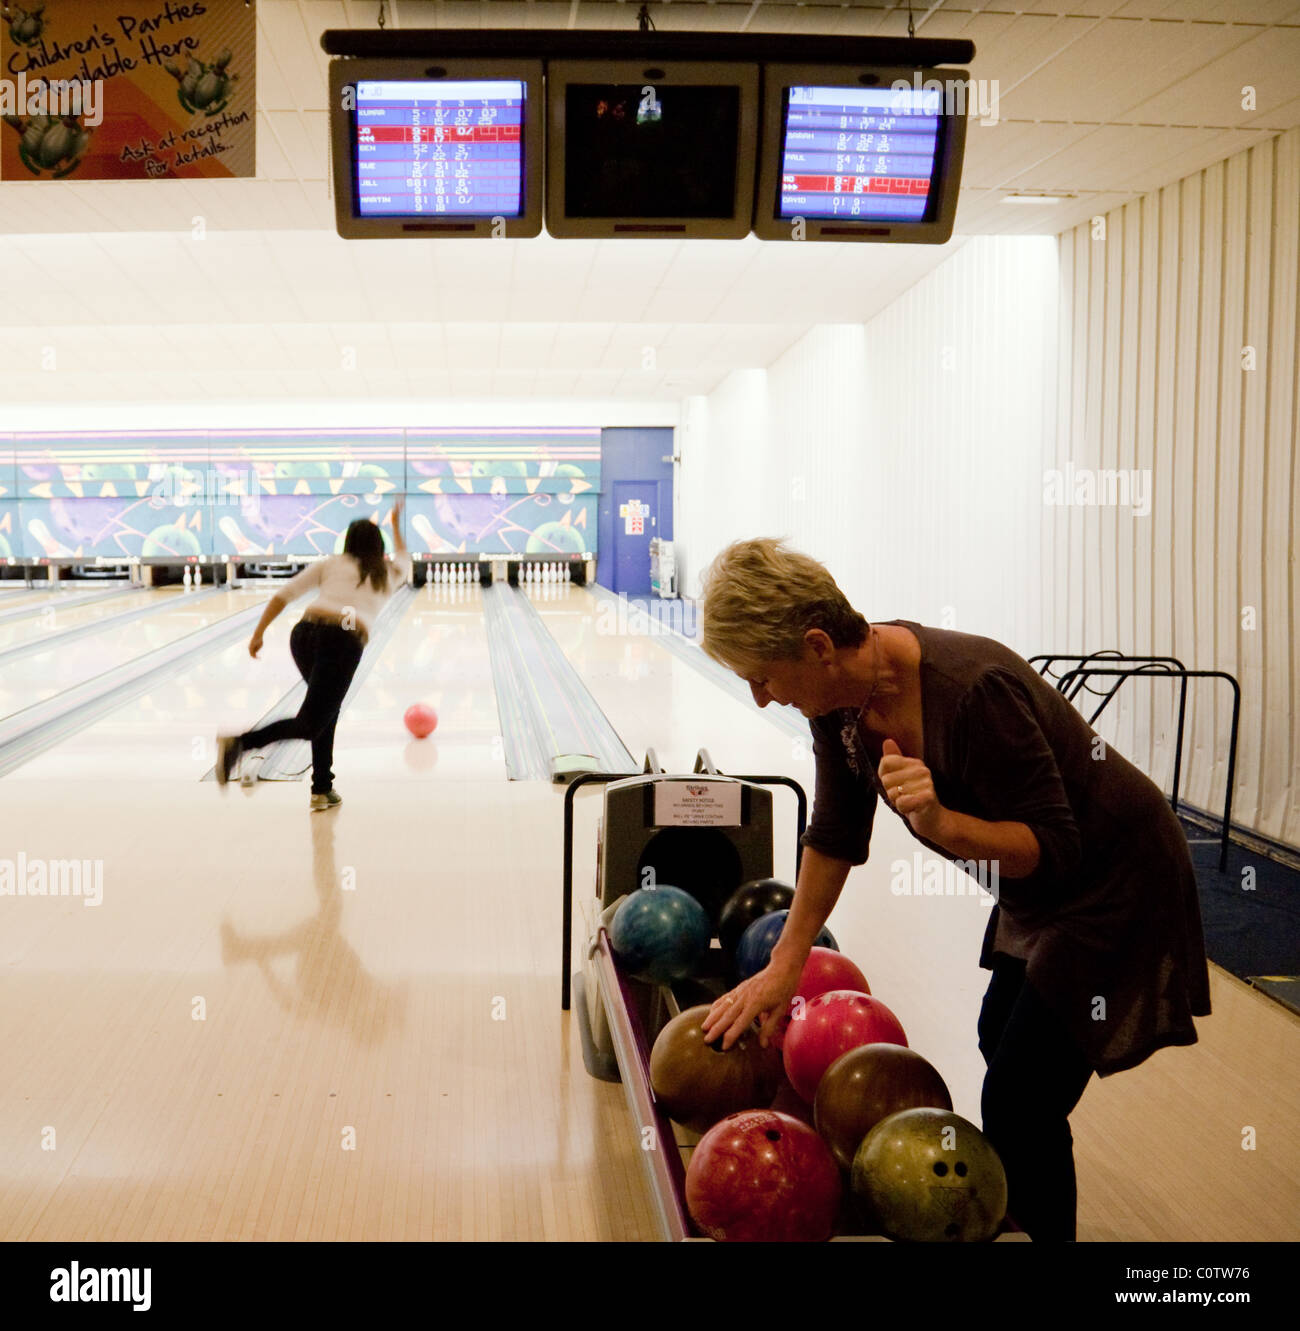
635 517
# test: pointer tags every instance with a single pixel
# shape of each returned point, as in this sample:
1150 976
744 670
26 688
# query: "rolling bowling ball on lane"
698 1083
421 720
831 1025
755 947
930 1176
747 903
763 1177
824 970
866 1085
659 934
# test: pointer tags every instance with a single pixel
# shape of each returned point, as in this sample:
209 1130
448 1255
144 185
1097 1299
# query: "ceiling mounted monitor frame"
643 150
529 54
867 175
493 161
599 44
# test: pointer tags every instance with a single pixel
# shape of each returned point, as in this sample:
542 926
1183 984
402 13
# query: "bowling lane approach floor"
260 986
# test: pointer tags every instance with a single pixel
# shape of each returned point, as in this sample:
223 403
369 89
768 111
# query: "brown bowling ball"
865 1086
698 1084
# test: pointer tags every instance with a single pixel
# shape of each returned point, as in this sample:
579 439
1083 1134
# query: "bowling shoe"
228 750
331 800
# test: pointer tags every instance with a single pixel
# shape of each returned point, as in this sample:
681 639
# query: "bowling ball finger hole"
772 1135
940 1168
960 1169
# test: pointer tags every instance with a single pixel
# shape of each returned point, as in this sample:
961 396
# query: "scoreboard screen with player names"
863 154
445 148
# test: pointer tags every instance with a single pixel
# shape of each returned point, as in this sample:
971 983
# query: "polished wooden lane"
381 1052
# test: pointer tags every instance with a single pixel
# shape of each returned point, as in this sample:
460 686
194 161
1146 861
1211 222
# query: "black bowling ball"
746 904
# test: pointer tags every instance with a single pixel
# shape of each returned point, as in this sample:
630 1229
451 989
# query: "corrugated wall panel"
1158 316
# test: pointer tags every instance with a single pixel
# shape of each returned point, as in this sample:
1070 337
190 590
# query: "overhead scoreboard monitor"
421 155
860 154
636 149
631 135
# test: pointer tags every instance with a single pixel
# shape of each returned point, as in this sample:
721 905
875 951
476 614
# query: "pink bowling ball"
420 720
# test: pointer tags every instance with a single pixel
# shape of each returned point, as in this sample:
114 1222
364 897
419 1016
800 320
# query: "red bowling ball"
420 720
831 1025
824 970
763 1177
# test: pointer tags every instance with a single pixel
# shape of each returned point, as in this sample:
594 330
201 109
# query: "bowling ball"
929 1176
703 861
831 1025
755 947
698 1083
420 720
659 934
746 904
763 1177
787 1102
824 970
866 1085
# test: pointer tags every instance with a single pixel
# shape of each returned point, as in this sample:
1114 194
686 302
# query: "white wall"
1155 314
905 453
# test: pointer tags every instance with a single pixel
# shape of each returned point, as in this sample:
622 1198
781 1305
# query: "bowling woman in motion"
1094 944
326 643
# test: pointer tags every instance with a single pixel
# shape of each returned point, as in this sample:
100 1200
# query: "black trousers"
327 657
1036 1076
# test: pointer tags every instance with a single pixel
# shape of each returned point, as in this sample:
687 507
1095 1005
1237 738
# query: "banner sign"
127 89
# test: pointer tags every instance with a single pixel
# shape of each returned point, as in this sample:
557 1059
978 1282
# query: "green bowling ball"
930 1176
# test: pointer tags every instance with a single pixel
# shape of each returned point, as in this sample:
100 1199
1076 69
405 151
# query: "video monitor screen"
859 154
439 148
633 150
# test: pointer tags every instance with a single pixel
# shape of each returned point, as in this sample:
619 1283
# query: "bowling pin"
187 577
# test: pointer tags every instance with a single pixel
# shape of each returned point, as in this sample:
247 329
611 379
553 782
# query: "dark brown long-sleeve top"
1109 923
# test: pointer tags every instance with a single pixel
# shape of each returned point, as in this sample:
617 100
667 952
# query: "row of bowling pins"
192 578
544 572
455 573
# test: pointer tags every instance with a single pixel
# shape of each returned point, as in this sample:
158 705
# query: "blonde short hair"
760 597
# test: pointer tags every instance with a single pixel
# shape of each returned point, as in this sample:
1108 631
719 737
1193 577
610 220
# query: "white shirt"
336 578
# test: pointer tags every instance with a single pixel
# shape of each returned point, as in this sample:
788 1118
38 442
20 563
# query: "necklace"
875 679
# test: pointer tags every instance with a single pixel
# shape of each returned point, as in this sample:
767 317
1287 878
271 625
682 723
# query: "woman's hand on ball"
765 997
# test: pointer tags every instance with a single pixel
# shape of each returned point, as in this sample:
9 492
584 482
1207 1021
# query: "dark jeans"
327 657
1036 1075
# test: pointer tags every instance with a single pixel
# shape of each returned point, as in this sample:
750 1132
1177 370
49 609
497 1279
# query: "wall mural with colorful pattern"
254 493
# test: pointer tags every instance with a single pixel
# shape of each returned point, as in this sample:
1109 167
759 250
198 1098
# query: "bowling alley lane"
50 614
168 731
389 968
39 675
438 655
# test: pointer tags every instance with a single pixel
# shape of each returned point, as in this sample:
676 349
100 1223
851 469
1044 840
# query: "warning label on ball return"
697 804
